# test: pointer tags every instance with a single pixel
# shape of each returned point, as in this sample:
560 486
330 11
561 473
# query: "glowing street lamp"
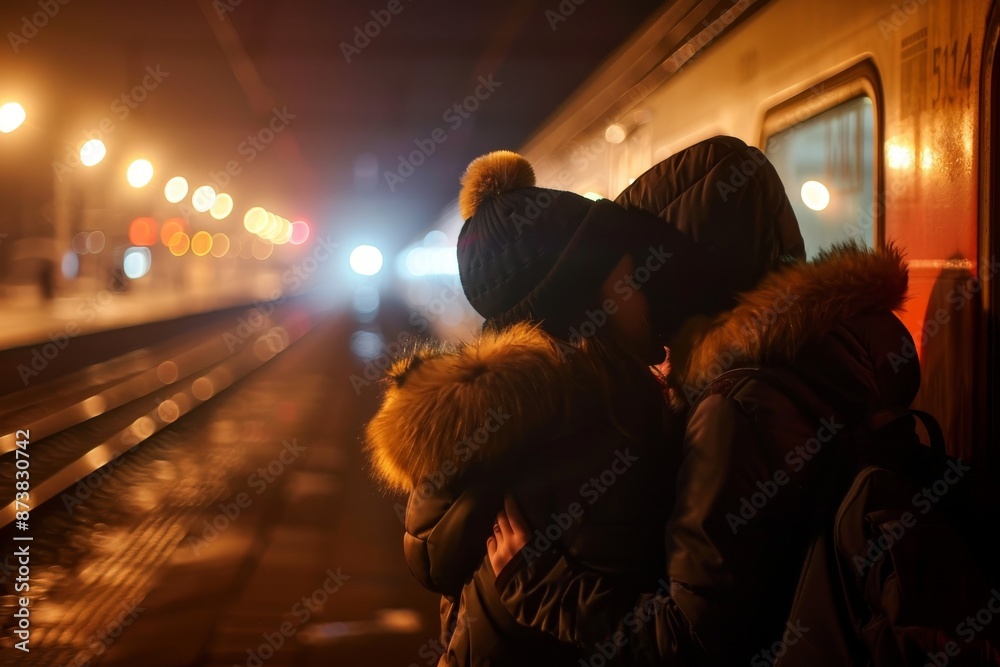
92 152
139 173
11 116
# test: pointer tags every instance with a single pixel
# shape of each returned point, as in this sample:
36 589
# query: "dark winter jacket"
758 476
580 444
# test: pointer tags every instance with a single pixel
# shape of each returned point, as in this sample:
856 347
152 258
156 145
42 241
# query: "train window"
827 164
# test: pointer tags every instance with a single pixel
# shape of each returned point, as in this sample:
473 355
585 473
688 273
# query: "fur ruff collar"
790 307
446 408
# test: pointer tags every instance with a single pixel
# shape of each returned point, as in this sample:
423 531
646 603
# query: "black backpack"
905 573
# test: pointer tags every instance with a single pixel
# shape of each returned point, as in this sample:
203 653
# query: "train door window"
827 164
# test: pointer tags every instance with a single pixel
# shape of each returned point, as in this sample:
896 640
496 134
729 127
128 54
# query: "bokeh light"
12 115
170 227
815 195
92 152
203 198
176 189
136 262
95 242
220 245
139 173
201 243
262 249
300 232
255 220
179 244
222 206
142 231
366 260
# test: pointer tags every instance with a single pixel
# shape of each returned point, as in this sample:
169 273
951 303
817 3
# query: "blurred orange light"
201 243
170 227
235 247
220 245
142 231
262 249
179 244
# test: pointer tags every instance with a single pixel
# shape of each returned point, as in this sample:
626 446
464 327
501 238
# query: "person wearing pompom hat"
802 353
564 285
554 404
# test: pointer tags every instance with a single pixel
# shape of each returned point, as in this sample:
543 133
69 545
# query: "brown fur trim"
491 174
443 410
791 306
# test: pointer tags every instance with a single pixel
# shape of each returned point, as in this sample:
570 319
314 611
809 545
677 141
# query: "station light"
220 245
176 189
142 232
170 227
179 244
300 232
201 243
136 262
615 134
366 260
255 220
203 198
815 195
12 115
92 152
139 173
222 206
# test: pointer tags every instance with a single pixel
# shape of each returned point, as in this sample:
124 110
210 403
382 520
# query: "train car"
881 118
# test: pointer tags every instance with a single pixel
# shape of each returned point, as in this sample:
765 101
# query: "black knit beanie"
535 254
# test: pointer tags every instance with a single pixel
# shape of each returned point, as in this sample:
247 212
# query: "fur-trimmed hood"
445 408
792 306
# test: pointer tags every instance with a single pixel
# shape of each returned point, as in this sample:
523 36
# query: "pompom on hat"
534 254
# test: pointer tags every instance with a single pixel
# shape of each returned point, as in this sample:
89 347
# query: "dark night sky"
344 124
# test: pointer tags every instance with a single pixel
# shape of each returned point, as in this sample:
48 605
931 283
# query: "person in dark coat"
762 470
554 404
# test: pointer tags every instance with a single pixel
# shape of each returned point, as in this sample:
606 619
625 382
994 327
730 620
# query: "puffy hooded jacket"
578 438
758 475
